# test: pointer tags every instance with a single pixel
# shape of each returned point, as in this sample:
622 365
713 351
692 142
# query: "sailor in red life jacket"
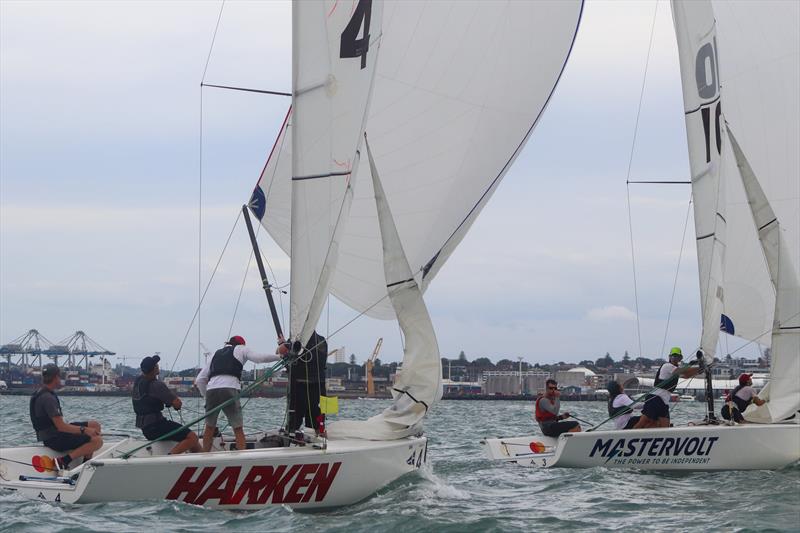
547 407
739 398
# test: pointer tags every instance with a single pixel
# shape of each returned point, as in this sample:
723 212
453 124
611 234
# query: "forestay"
419 383
697 46
334 55
458 90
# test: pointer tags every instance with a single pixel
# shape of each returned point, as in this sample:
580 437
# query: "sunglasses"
552 388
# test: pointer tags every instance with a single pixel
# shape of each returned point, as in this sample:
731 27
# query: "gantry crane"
370 363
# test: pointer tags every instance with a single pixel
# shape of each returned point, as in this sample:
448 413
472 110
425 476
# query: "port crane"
369 365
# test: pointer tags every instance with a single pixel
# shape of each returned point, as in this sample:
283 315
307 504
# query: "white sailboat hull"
301 477
692 448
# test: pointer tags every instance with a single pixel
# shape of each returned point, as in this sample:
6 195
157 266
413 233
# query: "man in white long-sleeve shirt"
220 381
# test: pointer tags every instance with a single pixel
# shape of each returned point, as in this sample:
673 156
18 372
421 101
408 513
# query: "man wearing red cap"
220 381
739 398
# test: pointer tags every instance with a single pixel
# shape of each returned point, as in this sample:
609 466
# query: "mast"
262 272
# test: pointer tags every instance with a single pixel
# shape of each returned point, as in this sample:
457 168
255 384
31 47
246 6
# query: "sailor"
78 439
739 398
149 397
621 407
655 413
220 381
546 413
307 384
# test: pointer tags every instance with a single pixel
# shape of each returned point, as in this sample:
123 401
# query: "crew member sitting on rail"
150 396
621 406
76 438
547 407
220 381
655 413
739 398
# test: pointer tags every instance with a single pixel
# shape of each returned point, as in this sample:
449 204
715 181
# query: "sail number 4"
350 45
415 459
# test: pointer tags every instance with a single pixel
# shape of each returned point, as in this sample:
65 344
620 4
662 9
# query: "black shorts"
726 414
164 426
632 422
655 408
554 429
66 442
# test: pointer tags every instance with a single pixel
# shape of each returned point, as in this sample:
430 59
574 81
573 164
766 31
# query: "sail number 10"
350 45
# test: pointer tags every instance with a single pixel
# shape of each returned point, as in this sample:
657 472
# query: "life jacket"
542 415
143 403
741 405
613 412
225 364
42 422
670 384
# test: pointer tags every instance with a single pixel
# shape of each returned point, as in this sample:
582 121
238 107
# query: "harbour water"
459 490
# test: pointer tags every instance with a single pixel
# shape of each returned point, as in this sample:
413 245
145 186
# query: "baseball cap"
744 378
50 371
149 363
236 340
675 352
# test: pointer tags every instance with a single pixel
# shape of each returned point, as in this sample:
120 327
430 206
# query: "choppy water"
460 491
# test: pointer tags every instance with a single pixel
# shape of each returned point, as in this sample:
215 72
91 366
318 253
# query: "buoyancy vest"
143 403
543 415
741 405
225 364
613 412
669 384
41 422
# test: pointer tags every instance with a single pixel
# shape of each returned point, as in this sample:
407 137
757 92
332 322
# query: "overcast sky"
99 139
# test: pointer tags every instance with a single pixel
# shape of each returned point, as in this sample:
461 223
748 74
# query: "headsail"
697 46
783 391
458 90
419 384
334 55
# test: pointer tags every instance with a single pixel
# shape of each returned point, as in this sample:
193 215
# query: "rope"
628 177
675 282
205 292
269 372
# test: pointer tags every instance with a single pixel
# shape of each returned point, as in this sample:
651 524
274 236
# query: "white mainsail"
697 47
334 55
458 89
419 383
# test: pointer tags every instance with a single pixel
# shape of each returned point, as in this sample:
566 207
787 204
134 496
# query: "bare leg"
643 423
576 429
191 442
208 437
662 422
87 449
94 424
240 440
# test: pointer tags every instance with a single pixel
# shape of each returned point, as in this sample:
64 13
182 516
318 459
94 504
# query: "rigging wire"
628 176
677 271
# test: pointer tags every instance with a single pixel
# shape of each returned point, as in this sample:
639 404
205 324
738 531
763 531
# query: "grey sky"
99 107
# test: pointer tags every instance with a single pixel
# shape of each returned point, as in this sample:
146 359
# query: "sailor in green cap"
655 413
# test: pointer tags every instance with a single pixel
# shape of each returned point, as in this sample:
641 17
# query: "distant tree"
626 358
482 362
462 357
506 364
586 363
352 358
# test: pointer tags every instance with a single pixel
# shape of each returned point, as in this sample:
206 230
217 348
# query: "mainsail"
458 90
697 46
334 55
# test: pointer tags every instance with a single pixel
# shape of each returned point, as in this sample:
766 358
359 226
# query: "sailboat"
405 116
740 71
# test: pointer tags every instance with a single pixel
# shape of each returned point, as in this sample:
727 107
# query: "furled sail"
697 47
419 383
458 90
783 391
335 49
